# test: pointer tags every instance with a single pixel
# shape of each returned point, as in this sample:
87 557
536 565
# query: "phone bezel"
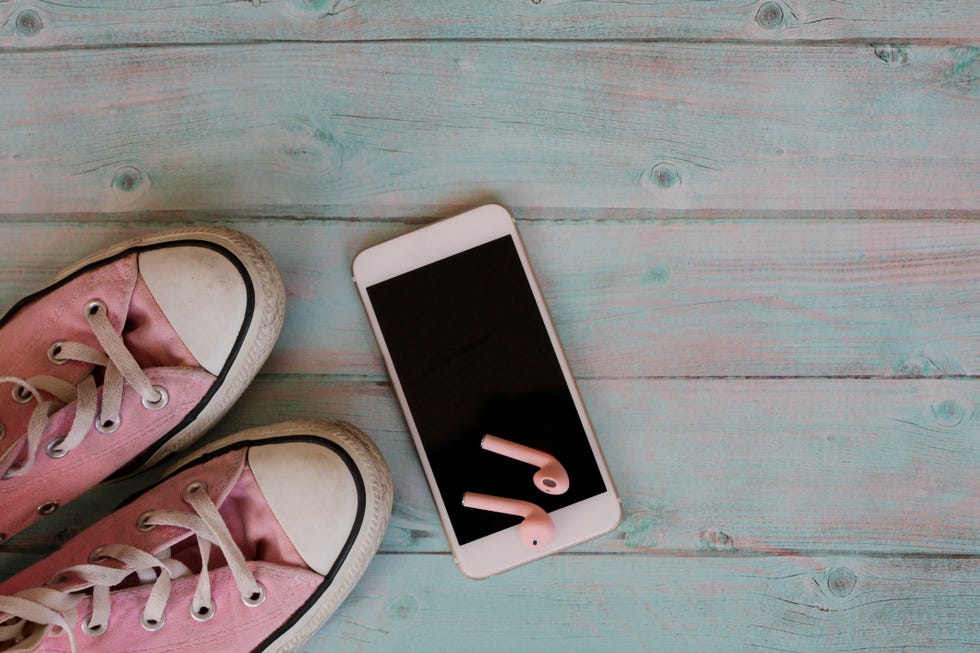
576 523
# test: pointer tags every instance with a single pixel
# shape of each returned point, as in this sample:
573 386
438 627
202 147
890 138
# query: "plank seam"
792 43
383 380
735 555
156 219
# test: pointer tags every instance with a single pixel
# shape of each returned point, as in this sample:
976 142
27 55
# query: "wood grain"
640 299
756 225
115 22
387 129
607 603
758 468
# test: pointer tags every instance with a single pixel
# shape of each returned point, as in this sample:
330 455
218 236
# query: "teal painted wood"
761 467
607 603
113 22
892 299
761 513
383 129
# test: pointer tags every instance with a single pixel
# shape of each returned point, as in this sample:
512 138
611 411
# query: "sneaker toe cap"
203 295
312 494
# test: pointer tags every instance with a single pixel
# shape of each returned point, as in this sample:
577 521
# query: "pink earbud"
551 478
536 531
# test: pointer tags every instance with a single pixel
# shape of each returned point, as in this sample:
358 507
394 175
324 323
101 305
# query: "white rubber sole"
379 497
259 339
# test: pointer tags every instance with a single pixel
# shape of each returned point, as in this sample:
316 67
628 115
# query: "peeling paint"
639 528
964 71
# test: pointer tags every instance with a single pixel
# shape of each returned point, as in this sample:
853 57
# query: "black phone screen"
473 357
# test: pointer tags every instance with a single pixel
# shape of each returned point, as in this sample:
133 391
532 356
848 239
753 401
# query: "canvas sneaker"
248 545
126 357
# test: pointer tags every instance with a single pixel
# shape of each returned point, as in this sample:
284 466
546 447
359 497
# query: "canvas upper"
126 357
249 546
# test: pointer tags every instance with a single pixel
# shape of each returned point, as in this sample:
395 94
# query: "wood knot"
895 55
716 540
402 608
948 413
663 176
416 535
770 15
658 274
28 23
127 179
668 183
305 143
841 581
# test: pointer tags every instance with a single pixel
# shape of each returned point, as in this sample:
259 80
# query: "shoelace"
48 606
120 368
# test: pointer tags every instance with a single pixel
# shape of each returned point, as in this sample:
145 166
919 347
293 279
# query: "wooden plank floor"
757 226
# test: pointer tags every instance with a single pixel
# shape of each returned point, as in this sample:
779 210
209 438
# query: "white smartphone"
466 337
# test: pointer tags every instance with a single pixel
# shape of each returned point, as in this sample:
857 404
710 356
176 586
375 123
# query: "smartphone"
471 351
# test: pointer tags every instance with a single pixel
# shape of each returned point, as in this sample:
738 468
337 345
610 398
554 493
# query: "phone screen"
473 356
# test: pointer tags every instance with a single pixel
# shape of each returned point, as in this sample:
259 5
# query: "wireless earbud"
551 478
536 531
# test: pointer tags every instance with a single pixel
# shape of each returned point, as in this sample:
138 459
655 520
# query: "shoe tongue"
252 525
150 337
7 458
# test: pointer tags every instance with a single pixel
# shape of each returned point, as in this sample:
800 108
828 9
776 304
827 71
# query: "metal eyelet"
203 613
255 599
152 625
141 521
90 630
107 426
97 555
47 508
159 403
93 307
57 579
53 352
53 450
21 394
194 488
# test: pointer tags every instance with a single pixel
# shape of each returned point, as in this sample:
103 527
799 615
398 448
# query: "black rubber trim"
133 464
348 544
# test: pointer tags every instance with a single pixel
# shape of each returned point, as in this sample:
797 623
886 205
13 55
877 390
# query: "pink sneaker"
248 545
126 357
